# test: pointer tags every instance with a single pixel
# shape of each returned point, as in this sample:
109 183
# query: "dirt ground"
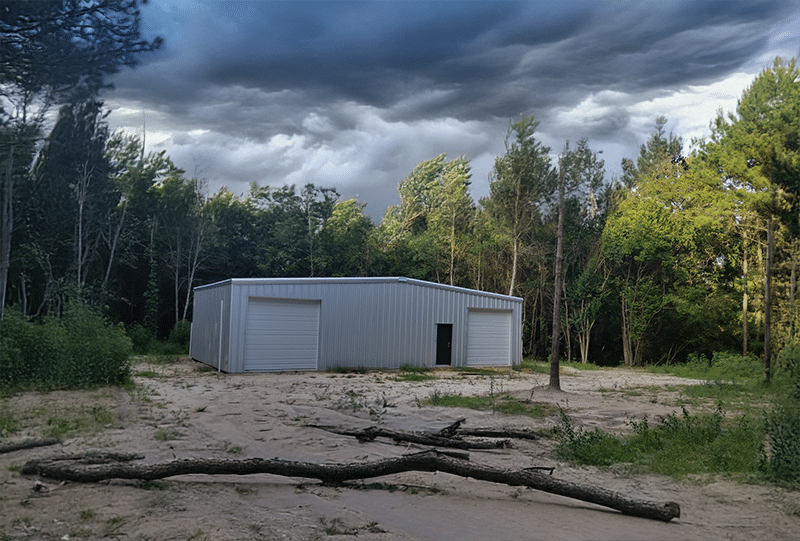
185 410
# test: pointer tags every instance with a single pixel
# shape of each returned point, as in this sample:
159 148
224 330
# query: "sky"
352 95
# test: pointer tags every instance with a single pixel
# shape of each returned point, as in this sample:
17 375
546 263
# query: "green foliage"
141 339
788 362
417 369
80 420
504 403
180 335
79 350
678 445
409 372
723 366
783 427
8 424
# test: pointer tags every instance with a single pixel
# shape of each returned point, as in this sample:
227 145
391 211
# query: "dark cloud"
359 92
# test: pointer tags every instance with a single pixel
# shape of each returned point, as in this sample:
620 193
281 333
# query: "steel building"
273 324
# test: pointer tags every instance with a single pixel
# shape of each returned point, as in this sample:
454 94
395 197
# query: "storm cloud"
354 94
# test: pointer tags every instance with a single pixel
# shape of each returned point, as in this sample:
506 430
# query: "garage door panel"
281 334
489 338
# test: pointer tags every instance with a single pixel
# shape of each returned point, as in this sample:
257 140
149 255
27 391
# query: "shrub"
726 365
80 349
788 363
783 426
141 339
180 335
678 445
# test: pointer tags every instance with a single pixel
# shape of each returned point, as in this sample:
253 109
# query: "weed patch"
677 445
503 403
413 377
82 420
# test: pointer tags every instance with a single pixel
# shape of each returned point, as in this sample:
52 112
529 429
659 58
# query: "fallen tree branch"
433 440
454 430
10 447
429 461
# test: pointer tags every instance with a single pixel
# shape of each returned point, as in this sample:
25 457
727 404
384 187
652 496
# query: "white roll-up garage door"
489 338
281 334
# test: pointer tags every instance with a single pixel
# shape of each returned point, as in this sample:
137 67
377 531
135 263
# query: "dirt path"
181 410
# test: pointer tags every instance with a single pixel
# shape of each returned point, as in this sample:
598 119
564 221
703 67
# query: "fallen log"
454 430
12 446
428 461
432 440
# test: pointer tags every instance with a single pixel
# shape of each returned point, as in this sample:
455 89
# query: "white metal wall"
363 322
488 337
281 334
210 339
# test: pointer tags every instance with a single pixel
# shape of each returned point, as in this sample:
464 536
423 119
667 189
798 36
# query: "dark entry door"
444 343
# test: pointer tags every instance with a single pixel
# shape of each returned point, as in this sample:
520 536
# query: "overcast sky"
353 95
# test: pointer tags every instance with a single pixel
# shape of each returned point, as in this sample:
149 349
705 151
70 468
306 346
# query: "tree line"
689 252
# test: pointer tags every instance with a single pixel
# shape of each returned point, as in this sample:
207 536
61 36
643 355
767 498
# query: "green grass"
677 445
414 369
543 367
82 420
167 434
723 366
347 370
8 424
504 403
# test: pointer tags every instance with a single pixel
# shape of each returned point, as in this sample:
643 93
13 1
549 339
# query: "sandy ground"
184 410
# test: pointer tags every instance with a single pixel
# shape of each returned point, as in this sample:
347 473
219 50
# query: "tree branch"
84 470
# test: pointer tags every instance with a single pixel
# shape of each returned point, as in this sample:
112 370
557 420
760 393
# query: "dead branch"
510 433
433 440
10 447
429 461
454 430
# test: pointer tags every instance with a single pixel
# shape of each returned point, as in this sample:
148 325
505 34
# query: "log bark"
12 446
433 440
454 430
428 461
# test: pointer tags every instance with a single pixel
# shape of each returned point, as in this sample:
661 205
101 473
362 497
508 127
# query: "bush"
726 365
789 363
678 445
180 335
79 350
783 426
141 339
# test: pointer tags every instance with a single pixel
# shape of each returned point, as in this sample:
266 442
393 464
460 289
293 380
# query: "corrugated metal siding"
488 337
212 313
281 334
369 322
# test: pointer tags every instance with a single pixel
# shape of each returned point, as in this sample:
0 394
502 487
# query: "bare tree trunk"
83 470
6 228
112 245
555 382
745 330
514 257
768 300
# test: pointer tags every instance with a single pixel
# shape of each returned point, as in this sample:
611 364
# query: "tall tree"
577 169
70 185
345 240
658 148
757 149
53 51
520 183
428 231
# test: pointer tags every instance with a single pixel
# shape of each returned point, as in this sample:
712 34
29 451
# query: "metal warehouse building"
271 324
